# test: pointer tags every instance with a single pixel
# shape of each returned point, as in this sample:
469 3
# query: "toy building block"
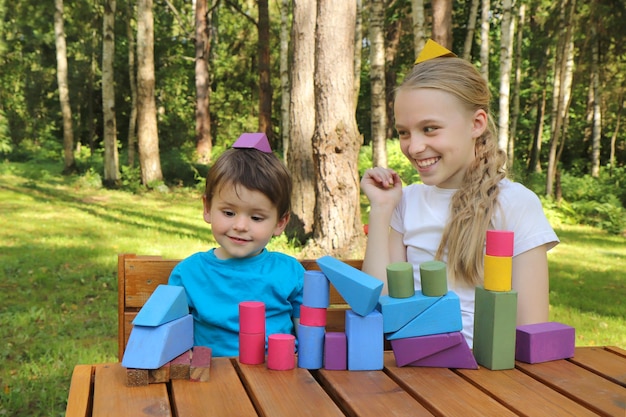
167 303
200 368
310 316
400 280
336 351
252 348
179 366
495 316
310 346
316 290
433 278
444 316
252 317
281 352
543 342
498 271
499 243
398 312
447 350
253 140
360 290
365 341
137 377
162 374
153 347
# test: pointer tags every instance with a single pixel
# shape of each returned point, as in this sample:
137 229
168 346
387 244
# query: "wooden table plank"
113 398
594 392
286 393
222 395
602 362
79 397
369 394
443 392
513 388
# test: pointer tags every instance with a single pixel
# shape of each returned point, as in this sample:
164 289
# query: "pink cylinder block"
252 348
252 317
499 243
281 352
310 316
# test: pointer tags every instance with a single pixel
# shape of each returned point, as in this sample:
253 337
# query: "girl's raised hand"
382 186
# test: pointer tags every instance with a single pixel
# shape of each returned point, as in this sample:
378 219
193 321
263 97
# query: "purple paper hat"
253 140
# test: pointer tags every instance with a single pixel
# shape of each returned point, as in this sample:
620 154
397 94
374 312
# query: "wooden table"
592 383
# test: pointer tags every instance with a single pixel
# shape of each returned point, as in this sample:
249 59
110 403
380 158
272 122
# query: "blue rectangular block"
152 347
365 341
444 316
398 312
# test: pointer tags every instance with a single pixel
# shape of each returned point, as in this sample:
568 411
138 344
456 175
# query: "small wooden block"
360 290
200 368
365 341
316 290
498 273
137 377
449 350
444 316
543 342
252 317
310 346
179 366
162 374
434 278
281 352
311 316
335 351
400 280
499 243
252 348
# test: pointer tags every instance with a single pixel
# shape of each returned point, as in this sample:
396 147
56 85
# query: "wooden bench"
139 275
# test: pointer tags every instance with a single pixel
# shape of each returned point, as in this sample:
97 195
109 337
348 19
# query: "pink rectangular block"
200 363
446 350
336 351
543 342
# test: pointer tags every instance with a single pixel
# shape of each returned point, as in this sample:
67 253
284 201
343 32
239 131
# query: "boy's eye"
228 213
257 218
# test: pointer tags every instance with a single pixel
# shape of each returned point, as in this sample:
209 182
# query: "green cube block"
495 320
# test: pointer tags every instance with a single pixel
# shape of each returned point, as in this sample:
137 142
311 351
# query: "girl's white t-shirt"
421 217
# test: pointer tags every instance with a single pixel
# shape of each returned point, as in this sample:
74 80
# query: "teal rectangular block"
443 316
167 303
365 341
495 318
398 312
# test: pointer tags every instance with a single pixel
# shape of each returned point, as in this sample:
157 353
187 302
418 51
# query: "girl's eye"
429 129
403 133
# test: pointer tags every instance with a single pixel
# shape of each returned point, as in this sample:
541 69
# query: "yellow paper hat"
432 50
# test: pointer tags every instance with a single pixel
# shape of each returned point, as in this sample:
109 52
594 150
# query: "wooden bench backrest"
139 275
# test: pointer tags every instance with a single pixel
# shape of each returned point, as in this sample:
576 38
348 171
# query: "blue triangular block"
153 347
444 316
360 290
398 312
167 303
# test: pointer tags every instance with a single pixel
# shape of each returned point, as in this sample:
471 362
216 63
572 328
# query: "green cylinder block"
434 278
400 280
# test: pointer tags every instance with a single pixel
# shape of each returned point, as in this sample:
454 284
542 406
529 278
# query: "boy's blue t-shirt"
215 287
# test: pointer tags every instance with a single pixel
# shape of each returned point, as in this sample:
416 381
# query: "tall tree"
284 74
203 85
377 83
442 22
132 81
471 29
299 155
358 41
147 132
419 26
64 92
111 157
596 130
265 82
485 11
336 141
506 56
515 102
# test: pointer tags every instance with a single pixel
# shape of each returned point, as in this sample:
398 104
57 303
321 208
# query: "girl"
447 133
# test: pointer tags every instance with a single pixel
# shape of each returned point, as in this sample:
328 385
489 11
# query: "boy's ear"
207 209
282 223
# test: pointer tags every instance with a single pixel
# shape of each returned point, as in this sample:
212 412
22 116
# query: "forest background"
132 100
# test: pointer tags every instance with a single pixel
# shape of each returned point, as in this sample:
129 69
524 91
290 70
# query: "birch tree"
377 83
506 47
111 157
419 26
484 38
515 102
596 130
471 29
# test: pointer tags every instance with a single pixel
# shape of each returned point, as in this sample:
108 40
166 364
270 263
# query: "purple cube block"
543 342
336 351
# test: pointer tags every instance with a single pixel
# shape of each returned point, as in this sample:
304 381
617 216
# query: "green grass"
59 238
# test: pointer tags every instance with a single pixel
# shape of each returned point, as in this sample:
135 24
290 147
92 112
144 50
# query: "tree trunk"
265 82
377 82
506 47
393 32
69 164
299 156
484 39
336 142
471 29
596 131
148 137
620 101
516 84
358 41
442 22
284 74
111 157
132 80
203 85
419 26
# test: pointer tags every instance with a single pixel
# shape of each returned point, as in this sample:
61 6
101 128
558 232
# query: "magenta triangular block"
415 348
253 140
456 355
